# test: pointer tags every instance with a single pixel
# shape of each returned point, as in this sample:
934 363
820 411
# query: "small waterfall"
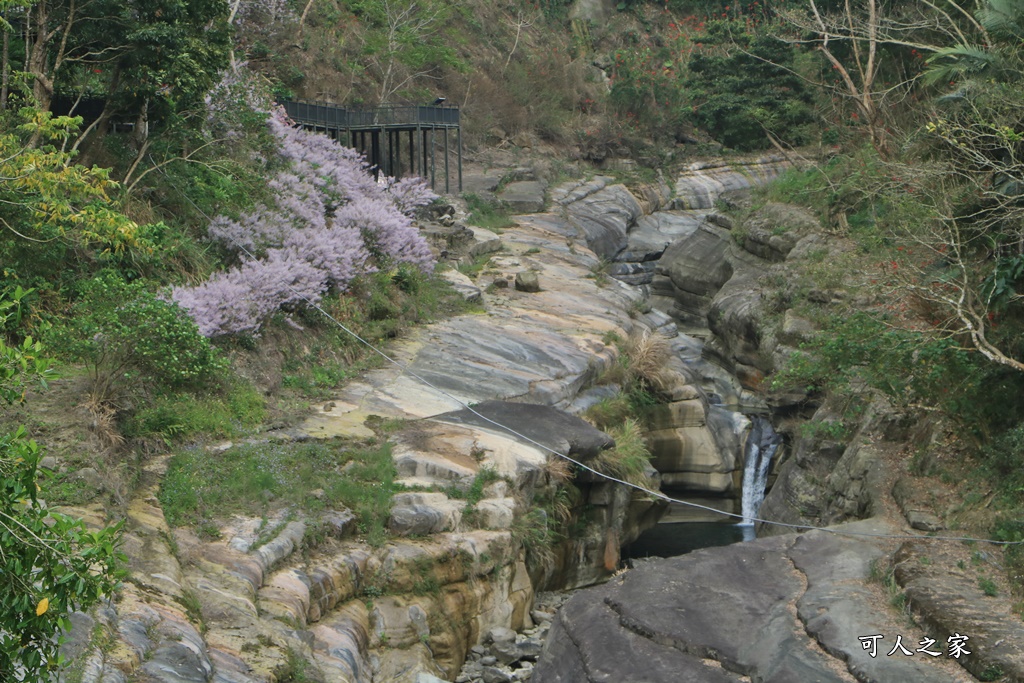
762 442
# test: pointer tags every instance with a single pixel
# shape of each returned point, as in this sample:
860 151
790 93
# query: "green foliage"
173 49
492 215
20 363
835 430
992 672
296 669
57 216
910 367
405 38
127 335
475 492
53 565
988 586
537 533
739 94
227 412
200 486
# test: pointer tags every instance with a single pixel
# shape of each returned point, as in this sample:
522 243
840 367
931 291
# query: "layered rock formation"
234 611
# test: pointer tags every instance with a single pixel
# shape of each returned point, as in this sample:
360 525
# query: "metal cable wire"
654 494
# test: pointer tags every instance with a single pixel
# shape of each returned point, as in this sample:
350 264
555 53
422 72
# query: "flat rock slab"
536 347
524 196
780 609
544 425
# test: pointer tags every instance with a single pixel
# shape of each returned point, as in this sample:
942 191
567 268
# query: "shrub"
330 222
129 336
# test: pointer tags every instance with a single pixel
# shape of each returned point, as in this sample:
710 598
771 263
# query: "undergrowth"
201 487
379 307
489 214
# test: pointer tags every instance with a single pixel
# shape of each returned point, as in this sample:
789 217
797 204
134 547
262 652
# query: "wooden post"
458 133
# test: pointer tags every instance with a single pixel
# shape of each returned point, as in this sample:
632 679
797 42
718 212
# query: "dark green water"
671 539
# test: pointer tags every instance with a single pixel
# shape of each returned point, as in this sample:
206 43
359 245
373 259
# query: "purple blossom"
409 193
330 222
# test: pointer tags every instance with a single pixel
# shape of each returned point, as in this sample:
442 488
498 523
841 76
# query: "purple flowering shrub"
330 222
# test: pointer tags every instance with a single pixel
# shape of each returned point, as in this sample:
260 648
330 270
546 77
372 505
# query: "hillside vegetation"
162 228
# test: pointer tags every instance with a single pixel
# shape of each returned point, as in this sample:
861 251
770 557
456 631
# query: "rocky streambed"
452 585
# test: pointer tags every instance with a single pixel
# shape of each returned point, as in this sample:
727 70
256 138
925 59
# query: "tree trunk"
42 85
6 77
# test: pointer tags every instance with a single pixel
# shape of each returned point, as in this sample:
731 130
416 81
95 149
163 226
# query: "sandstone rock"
540 616
553 428
924 520
500 635
496 513
462 284
603 213
632 273
423 513
495 675
424 677
652 234
449 241
715 482
700 185
340 524
696 267
524 196
484 242
90 477
947 600
721 220
281 546
677 414
527 281
655 623
688 449
795 330
914 507
768 245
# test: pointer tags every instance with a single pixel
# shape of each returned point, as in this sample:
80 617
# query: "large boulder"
544 425
787 608
603 213
692 271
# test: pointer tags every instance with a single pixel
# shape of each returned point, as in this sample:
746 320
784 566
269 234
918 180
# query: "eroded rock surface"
787 608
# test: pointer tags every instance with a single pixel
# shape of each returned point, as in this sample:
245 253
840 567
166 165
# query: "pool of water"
670 539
